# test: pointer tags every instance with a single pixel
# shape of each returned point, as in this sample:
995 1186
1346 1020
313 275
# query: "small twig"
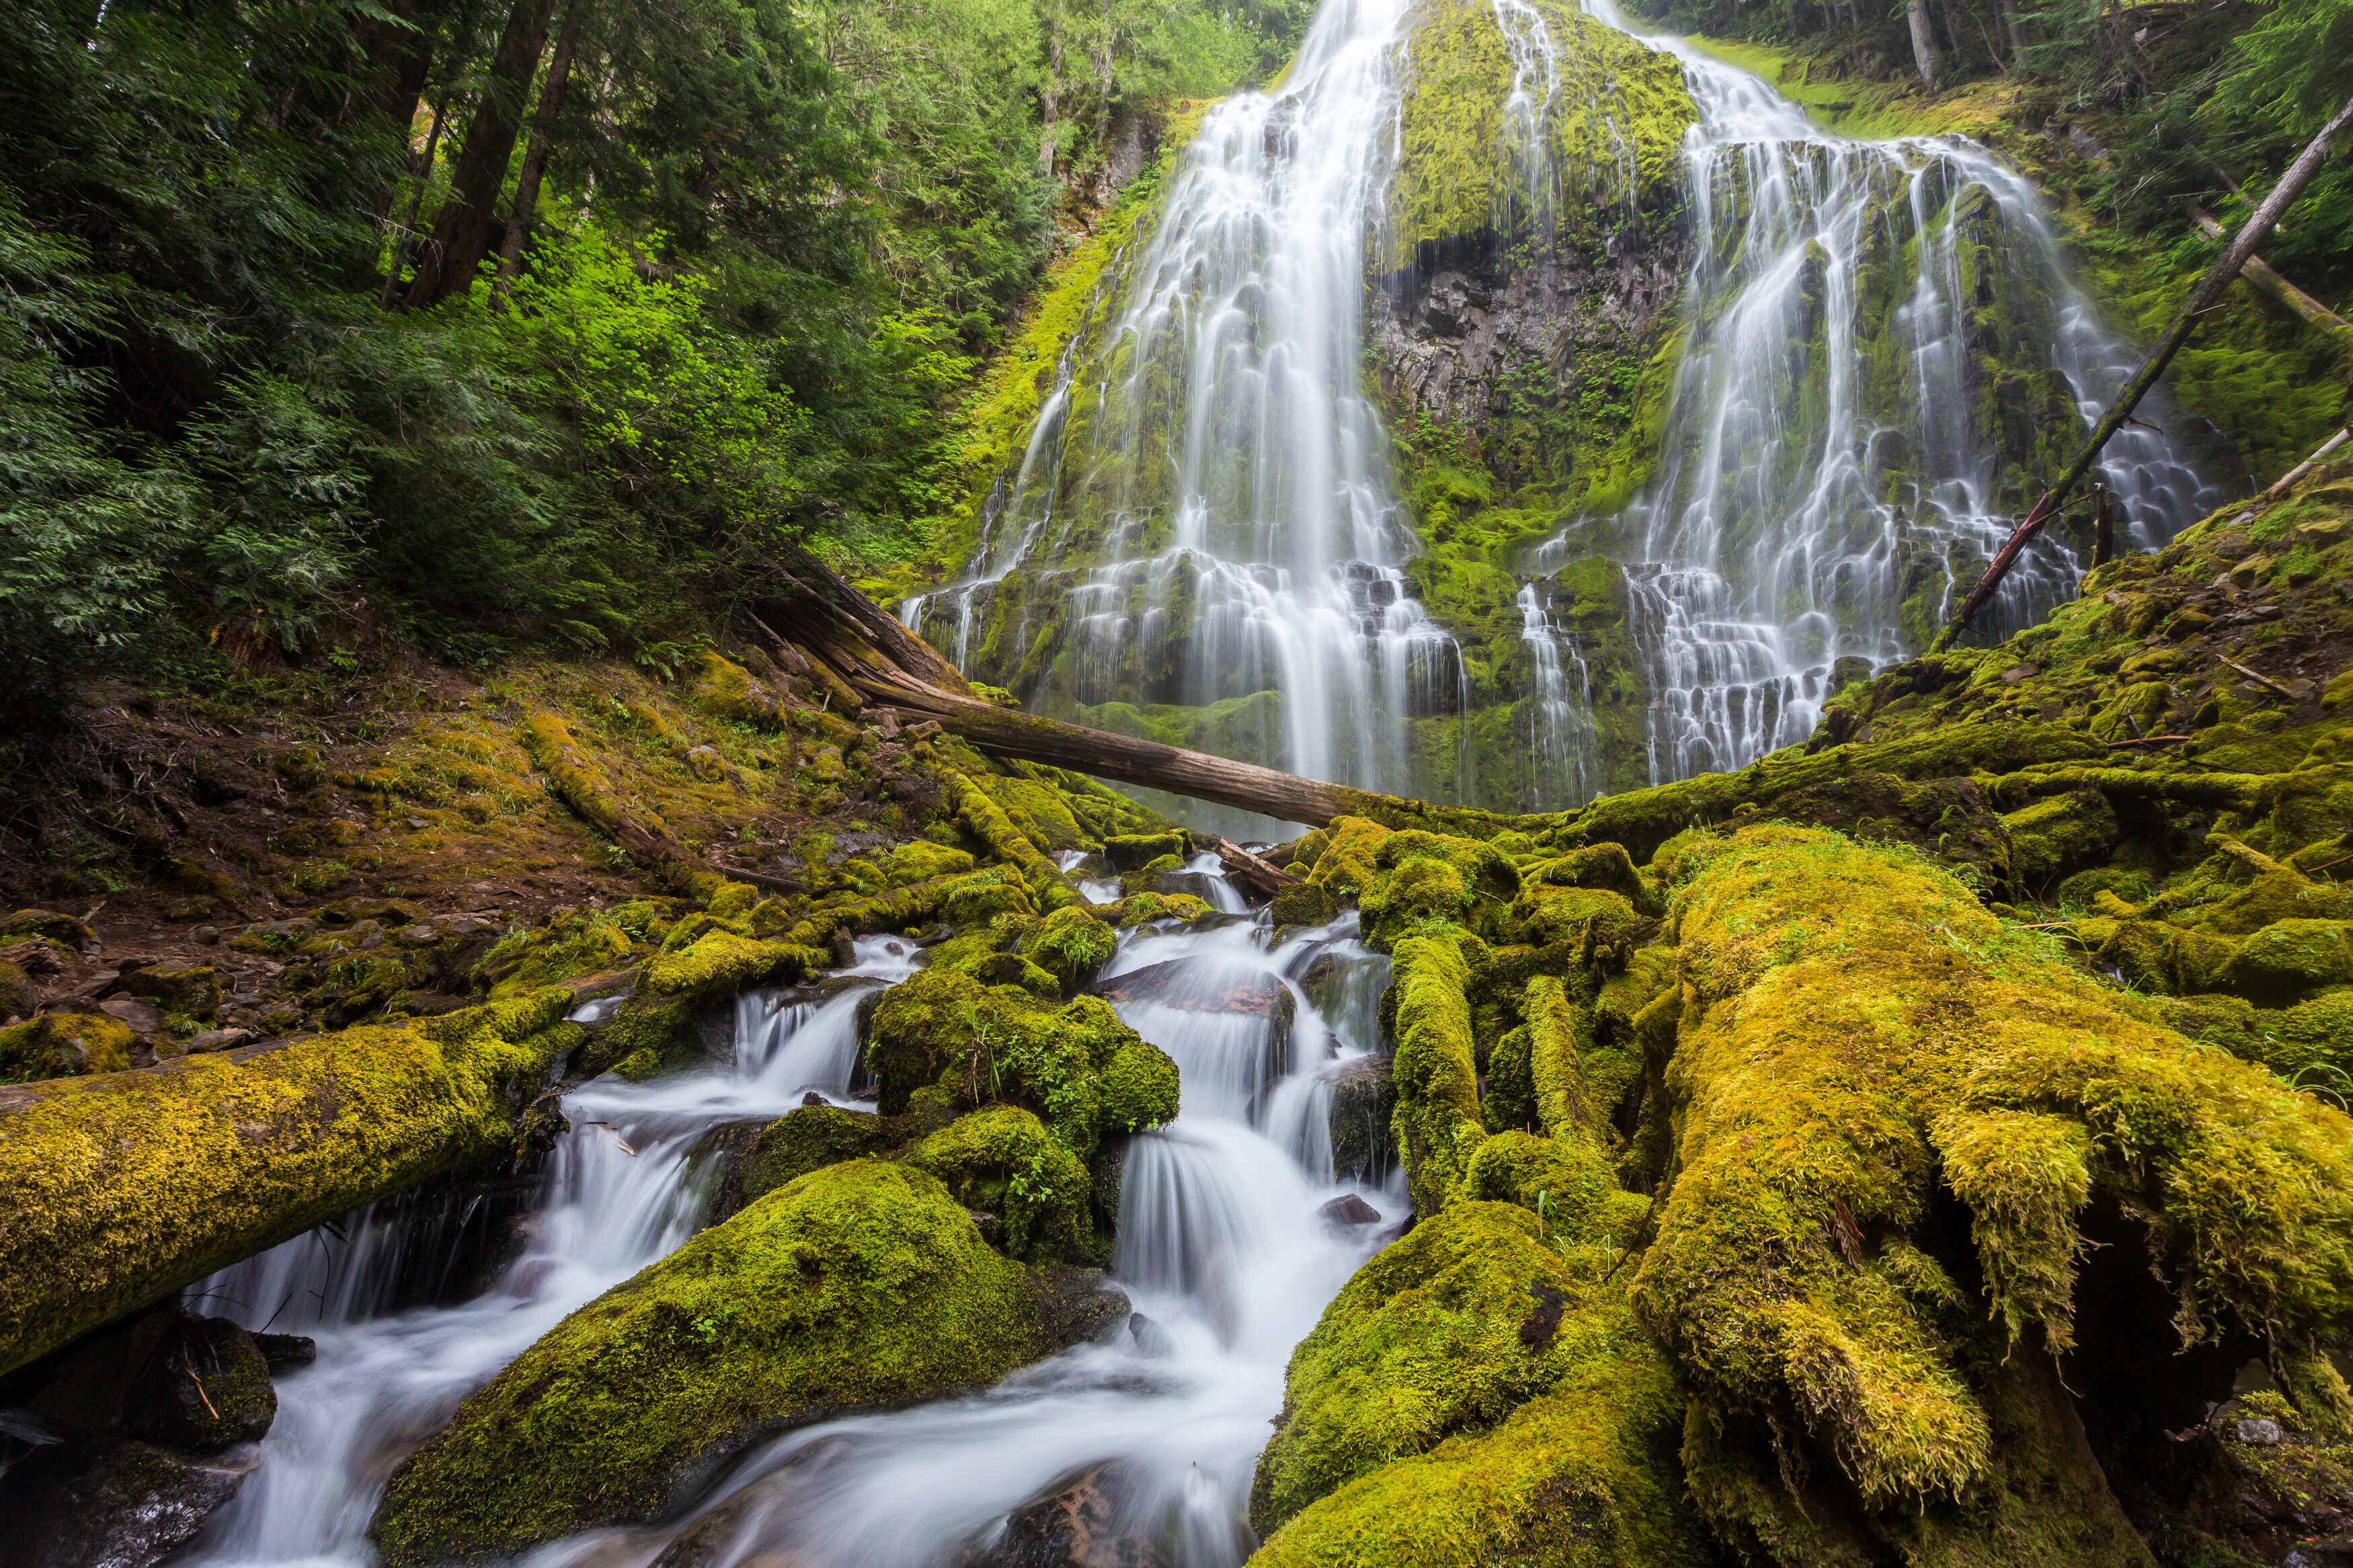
2258 676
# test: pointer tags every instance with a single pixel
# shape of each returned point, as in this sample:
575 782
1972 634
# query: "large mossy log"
117 1190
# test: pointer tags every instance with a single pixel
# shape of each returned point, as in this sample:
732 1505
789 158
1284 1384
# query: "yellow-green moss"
1081 1068
1072 945
1000 1160
1621 105
122 1188
64 1045
1438 1121
1472 1397
722 960
860 1285
805 1140
1855 1025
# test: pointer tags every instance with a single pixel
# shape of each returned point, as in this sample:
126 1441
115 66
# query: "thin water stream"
1221 1246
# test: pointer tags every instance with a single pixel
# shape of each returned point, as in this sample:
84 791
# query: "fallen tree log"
889 666
2259 273
118 1190
2299 174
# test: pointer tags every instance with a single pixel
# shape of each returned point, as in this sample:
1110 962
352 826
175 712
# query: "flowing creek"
1221 1248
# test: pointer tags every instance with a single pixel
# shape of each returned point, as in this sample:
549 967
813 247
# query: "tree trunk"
423 175
2258 272
535 158
867 651
2104 528
462 234
1049 95
1924 42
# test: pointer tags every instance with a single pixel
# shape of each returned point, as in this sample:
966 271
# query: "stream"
1221 1247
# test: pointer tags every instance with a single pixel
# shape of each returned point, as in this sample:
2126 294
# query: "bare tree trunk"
1049 95
2291 185
1924 42
462 234
535 158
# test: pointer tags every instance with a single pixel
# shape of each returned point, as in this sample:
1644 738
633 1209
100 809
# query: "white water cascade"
1830 446
1213 522
1221 1245
1562 754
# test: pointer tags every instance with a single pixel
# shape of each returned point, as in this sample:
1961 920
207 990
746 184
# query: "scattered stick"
2259 677
1257 875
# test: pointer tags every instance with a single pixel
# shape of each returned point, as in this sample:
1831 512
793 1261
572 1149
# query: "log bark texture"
884 664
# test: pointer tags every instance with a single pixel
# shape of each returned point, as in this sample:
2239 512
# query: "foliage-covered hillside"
484 325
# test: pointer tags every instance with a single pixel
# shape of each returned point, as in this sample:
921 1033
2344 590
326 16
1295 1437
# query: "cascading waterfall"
1220 1244
1203 514
1877 334
1561 742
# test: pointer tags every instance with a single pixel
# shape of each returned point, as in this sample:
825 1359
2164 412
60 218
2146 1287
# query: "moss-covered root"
987 820
1855 1025
1438 1121
1475 1322
858 1285
119 1189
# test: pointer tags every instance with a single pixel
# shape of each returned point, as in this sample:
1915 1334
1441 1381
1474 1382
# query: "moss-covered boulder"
858 1286
64 1045
1857 1034
1079 1067
1072 945
1473 1396
805 1140
1001 1160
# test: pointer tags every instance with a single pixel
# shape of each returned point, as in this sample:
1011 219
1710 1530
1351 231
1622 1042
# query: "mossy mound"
1001 1160
861 1284
1856 1028
64 1045
1079 1067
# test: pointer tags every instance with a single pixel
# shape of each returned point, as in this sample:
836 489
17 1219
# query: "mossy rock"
1072 946
18 996
805 1140
1001 1160
1304 904
2064 834
64 1045
722 960
1856 1032
2289 960
191 992
1134 851
858 1286
1079 1067
1474 1325
64 930
919 860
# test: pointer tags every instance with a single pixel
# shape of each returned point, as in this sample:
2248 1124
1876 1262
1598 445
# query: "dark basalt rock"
134 1506
1362 1098
1081 1524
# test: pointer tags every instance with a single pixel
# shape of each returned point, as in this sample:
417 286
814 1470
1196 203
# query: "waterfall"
1836 468
1561 755
1203 517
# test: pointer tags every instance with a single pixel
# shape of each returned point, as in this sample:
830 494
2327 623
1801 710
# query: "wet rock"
135 1506
1348 1209
1080 1525
1081 1305
218 1040
281 1350
142 1018
1364 1096
206 1386
1150 1337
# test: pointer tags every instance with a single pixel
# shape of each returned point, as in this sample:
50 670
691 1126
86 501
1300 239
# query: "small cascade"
1875 330
1564 766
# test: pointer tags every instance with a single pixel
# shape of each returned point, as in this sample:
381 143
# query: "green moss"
1000 1160
860 1285
724 960
1473 1396
123 1188
1855 1027
805 1140
64 1045
1616 134
2063 834
919 860
1438 1121
1079 1067
579 942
